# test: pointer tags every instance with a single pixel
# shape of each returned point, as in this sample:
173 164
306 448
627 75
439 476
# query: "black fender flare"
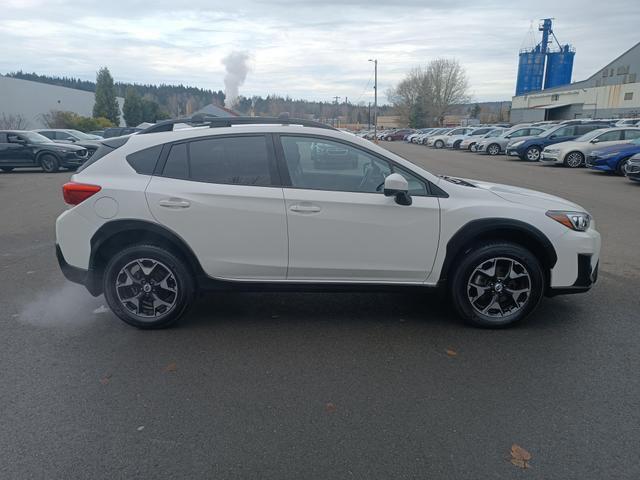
496 228
115 227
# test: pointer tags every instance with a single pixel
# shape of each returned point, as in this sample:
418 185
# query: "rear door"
342 228
222 195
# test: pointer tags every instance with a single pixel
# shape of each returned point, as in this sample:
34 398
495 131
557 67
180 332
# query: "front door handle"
304 208
174 203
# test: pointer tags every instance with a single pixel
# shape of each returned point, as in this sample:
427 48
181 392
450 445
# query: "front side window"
48 134
563 132
523 132
322 164
239 160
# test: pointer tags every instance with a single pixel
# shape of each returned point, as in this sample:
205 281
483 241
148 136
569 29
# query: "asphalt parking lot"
318 385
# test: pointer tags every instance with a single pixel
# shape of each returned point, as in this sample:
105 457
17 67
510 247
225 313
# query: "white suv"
232 203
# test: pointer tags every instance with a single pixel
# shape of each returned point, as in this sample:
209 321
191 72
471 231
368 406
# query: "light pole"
375 99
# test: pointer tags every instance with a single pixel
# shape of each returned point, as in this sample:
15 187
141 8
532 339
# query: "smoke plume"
236 66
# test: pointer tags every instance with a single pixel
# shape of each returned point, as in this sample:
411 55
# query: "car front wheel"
439 144
574 160
148 287
532 154
493 149
497 285
49 163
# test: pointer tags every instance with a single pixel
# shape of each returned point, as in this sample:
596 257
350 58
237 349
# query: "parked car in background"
470 142
97 133
60 135
25 149
613 159
497 145
632 168
398 134
455 141
119 131
413 137
423 139
440 141
628 122
531 148
572 154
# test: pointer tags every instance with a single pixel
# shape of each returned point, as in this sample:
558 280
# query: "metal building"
611 92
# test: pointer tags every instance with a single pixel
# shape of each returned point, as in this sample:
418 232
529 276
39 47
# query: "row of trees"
424 96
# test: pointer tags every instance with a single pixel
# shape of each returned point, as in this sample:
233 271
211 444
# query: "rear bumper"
78 275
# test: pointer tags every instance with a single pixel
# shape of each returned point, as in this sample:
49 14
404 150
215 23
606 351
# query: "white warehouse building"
611 92
30 100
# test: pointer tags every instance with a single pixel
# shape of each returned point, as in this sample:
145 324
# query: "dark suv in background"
76 137
531 148
24 149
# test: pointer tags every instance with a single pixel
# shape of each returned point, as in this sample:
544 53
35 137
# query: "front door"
15 151
341 226
222 195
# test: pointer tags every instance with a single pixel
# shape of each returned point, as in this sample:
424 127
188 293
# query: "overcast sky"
306 49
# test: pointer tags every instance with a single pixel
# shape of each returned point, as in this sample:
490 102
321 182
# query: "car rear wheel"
493 149
574 160
532 154
6 169
439 144
49 163
456 145
148 287
497 285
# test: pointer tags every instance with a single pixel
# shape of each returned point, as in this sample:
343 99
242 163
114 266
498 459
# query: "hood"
520 139
526 197
565 145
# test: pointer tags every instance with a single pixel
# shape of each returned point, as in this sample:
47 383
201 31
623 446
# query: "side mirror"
395 185
595 140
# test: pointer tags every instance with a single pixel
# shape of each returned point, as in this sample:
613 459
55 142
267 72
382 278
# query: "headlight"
578 221
551 150
517 144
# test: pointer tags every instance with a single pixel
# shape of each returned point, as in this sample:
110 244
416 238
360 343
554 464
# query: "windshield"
34 137
82 135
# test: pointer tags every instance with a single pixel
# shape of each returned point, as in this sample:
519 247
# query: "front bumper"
587 277
550 157
512 152
576 268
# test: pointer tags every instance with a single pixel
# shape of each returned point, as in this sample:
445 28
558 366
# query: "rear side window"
177 165
242 160
631 134
144 161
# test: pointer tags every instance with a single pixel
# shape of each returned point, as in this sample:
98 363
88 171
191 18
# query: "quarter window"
631 134
610 136
320 164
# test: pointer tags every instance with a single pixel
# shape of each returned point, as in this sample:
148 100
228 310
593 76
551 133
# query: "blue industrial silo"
530 71
559 67
539 66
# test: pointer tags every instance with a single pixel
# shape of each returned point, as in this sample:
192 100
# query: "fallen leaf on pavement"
106 379
519 456
101 309
330 408
451 352
172 367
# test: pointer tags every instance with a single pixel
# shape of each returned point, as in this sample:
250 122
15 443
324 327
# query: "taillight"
75 193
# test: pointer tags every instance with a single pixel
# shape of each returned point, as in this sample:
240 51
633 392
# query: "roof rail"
218 122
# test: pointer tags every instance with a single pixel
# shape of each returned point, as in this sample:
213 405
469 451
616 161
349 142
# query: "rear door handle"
304 208
174 203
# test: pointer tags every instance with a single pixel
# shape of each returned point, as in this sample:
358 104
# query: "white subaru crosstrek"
240 203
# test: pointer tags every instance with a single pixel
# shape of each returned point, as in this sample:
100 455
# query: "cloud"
303 48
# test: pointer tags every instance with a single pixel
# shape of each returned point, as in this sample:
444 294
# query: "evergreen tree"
132 109
106 103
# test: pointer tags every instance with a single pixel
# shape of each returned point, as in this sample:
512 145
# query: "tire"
573 160
439 144
493 149
6 169
532 154
473 148
480 308
620 167
166 300
388 139
49 163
